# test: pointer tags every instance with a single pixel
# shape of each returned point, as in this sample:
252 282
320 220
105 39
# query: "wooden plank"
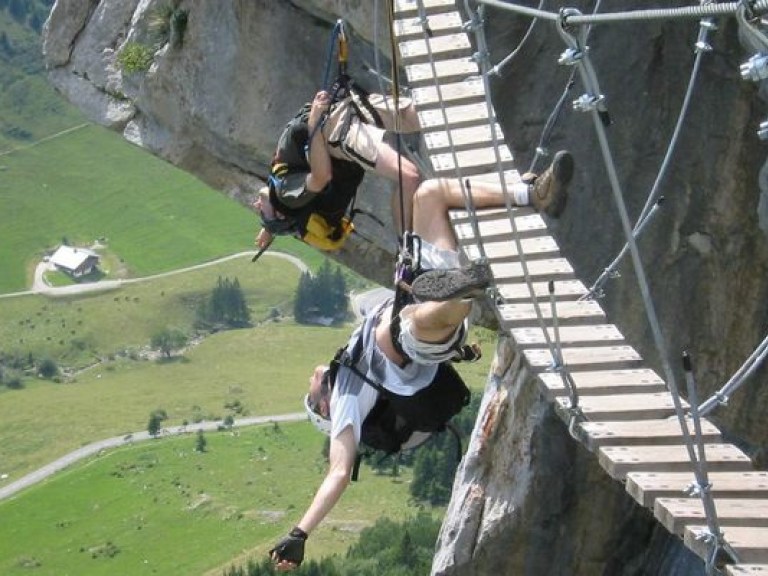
500 251
439 25
568 313
564 290
645 487
748 544
410 8
469 160
612 408
527 223
522 215
677 513
456 116
440 47
618 461
637 433
747 570
548 268
569 335
605 382
464 91
462 138
586 357
453 70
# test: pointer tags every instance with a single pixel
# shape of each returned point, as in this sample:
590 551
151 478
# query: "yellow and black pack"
323 236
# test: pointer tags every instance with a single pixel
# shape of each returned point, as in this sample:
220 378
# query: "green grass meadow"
91 184
160 507
79 330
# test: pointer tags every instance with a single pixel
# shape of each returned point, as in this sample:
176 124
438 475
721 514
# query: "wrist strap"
297 532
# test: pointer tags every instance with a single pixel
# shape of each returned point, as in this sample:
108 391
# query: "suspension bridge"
671 459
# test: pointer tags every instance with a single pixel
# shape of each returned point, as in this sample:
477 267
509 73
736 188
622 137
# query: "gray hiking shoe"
453 283
549 191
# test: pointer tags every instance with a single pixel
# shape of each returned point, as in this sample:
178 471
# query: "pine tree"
339 294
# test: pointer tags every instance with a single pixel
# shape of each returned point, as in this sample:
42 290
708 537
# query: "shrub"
48 369
135 57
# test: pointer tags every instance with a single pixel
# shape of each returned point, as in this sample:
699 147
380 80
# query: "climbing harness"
397 422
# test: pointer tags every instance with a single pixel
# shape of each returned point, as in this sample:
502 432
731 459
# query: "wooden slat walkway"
629 420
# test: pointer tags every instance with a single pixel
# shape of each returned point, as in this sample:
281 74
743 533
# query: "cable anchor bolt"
722 399
570 57
588 102
755 69
480 57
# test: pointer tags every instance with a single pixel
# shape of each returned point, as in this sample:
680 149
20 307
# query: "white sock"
520 192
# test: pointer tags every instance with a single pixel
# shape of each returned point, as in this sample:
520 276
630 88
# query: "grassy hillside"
163 508
30 109
91 184
77 331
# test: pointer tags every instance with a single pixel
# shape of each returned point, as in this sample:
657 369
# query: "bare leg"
387 165
437 321
435 197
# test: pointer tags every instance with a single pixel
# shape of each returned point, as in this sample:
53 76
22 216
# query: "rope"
426 33
496 70
549 126
739 377
337 34
653 202
694 12
703 487
642 281
476 25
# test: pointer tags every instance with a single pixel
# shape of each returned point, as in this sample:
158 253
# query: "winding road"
360 304
96 447
39 285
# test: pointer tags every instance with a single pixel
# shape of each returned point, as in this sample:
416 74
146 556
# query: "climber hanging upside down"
396 354
322 155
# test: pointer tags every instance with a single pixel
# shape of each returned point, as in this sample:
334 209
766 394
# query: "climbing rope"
337 41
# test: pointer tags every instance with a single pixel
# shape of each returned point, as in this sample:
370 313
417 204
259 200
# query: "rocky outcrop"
527 500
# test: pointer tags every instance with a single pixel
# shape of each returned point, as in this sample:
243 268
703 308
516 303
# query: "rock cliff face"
528 500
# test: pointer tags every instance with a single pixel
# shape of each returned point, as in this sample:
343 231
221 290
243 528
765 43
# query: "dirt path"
96 447
39 285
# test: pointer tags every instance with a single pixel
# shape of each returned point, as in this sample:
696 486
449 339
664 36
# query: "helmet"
322 424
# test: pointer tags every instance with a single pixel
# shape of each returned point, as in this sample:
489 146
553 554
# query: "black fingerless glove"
290 548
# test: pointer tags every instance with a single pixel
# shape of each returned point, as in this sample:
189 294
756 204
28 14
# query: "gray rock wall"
528 500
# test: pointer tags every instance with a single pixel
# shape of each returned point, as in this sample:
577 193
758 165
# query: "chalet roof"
71 257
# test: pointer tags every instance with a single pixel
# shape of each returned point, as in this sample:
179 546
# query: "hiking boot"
453 283
549 191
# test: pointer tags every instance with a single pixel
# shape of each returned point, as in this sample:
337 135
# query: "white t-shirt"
352 398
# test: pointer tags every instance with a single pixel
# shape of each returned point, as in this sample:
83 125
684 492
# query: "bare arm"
319 159
342 459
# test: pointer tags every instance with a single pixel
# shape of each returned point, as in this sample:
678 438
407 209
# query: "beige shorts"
358 140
